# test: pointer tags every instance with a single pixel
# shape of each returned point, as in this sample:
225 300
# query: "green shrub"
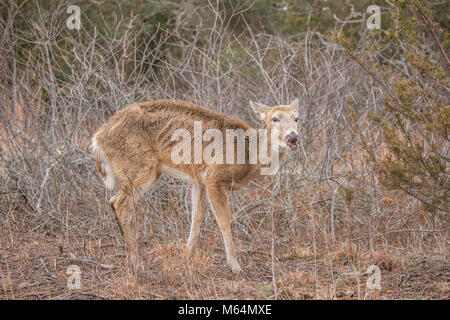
416 120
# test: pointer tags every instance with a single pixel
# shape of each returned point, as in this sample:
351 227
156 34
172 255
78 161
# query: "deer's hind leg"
134 180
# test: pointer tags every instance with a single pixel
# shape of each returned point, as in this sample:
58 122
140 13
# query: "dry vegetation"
308 233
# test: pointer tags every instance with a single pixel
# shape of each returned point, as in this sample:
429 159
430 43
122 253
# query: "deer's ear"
259 109
294 104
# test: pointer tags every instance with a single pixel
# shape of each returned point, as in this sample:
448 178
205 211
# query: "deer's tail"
103 166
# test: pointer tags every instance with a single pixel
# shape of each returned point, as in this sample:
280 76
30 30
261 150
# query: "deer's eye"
297 119
275 119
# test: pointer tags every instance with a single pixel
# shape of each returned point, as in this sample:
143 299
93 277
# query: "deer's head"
284 119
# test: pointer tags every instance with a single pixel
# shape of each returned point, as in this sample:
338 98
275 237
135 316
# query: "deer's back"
146 129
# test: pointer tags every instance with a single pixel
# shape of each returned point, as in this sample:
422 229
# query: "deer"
134 148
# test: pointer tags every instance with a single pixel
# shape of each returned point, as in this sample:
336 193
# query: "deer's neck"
270 155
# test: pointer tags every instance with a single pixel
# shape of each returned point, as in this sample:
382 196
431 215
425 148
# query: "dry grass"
34 265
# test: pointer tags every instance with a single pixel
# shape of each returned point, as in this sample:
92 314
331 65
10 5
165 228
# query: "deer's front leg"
198 211
220 205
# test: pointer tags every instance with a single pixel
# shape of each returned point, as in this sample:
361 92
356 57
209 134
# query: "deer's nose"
292 137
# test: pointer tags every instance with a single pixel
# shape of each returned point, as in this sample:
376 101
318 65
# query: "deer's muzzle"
291 140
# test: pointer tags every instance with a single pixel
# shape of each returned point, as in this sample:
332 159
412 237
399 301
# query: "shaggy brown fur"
134 148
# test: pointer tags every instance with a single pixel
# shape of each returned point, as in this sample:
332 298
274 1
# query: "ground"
34 266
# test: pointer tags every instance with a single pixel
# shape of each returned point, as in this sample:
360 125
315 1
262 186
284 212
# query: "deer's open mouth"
291 140
292 144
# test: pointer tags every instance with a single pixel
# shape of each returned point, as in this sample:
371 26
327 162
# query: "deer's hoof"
235 267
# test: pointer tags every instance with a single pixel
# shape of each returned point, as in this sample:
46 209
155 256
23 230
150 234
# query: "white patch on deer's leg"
202 175
198 211
194 229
